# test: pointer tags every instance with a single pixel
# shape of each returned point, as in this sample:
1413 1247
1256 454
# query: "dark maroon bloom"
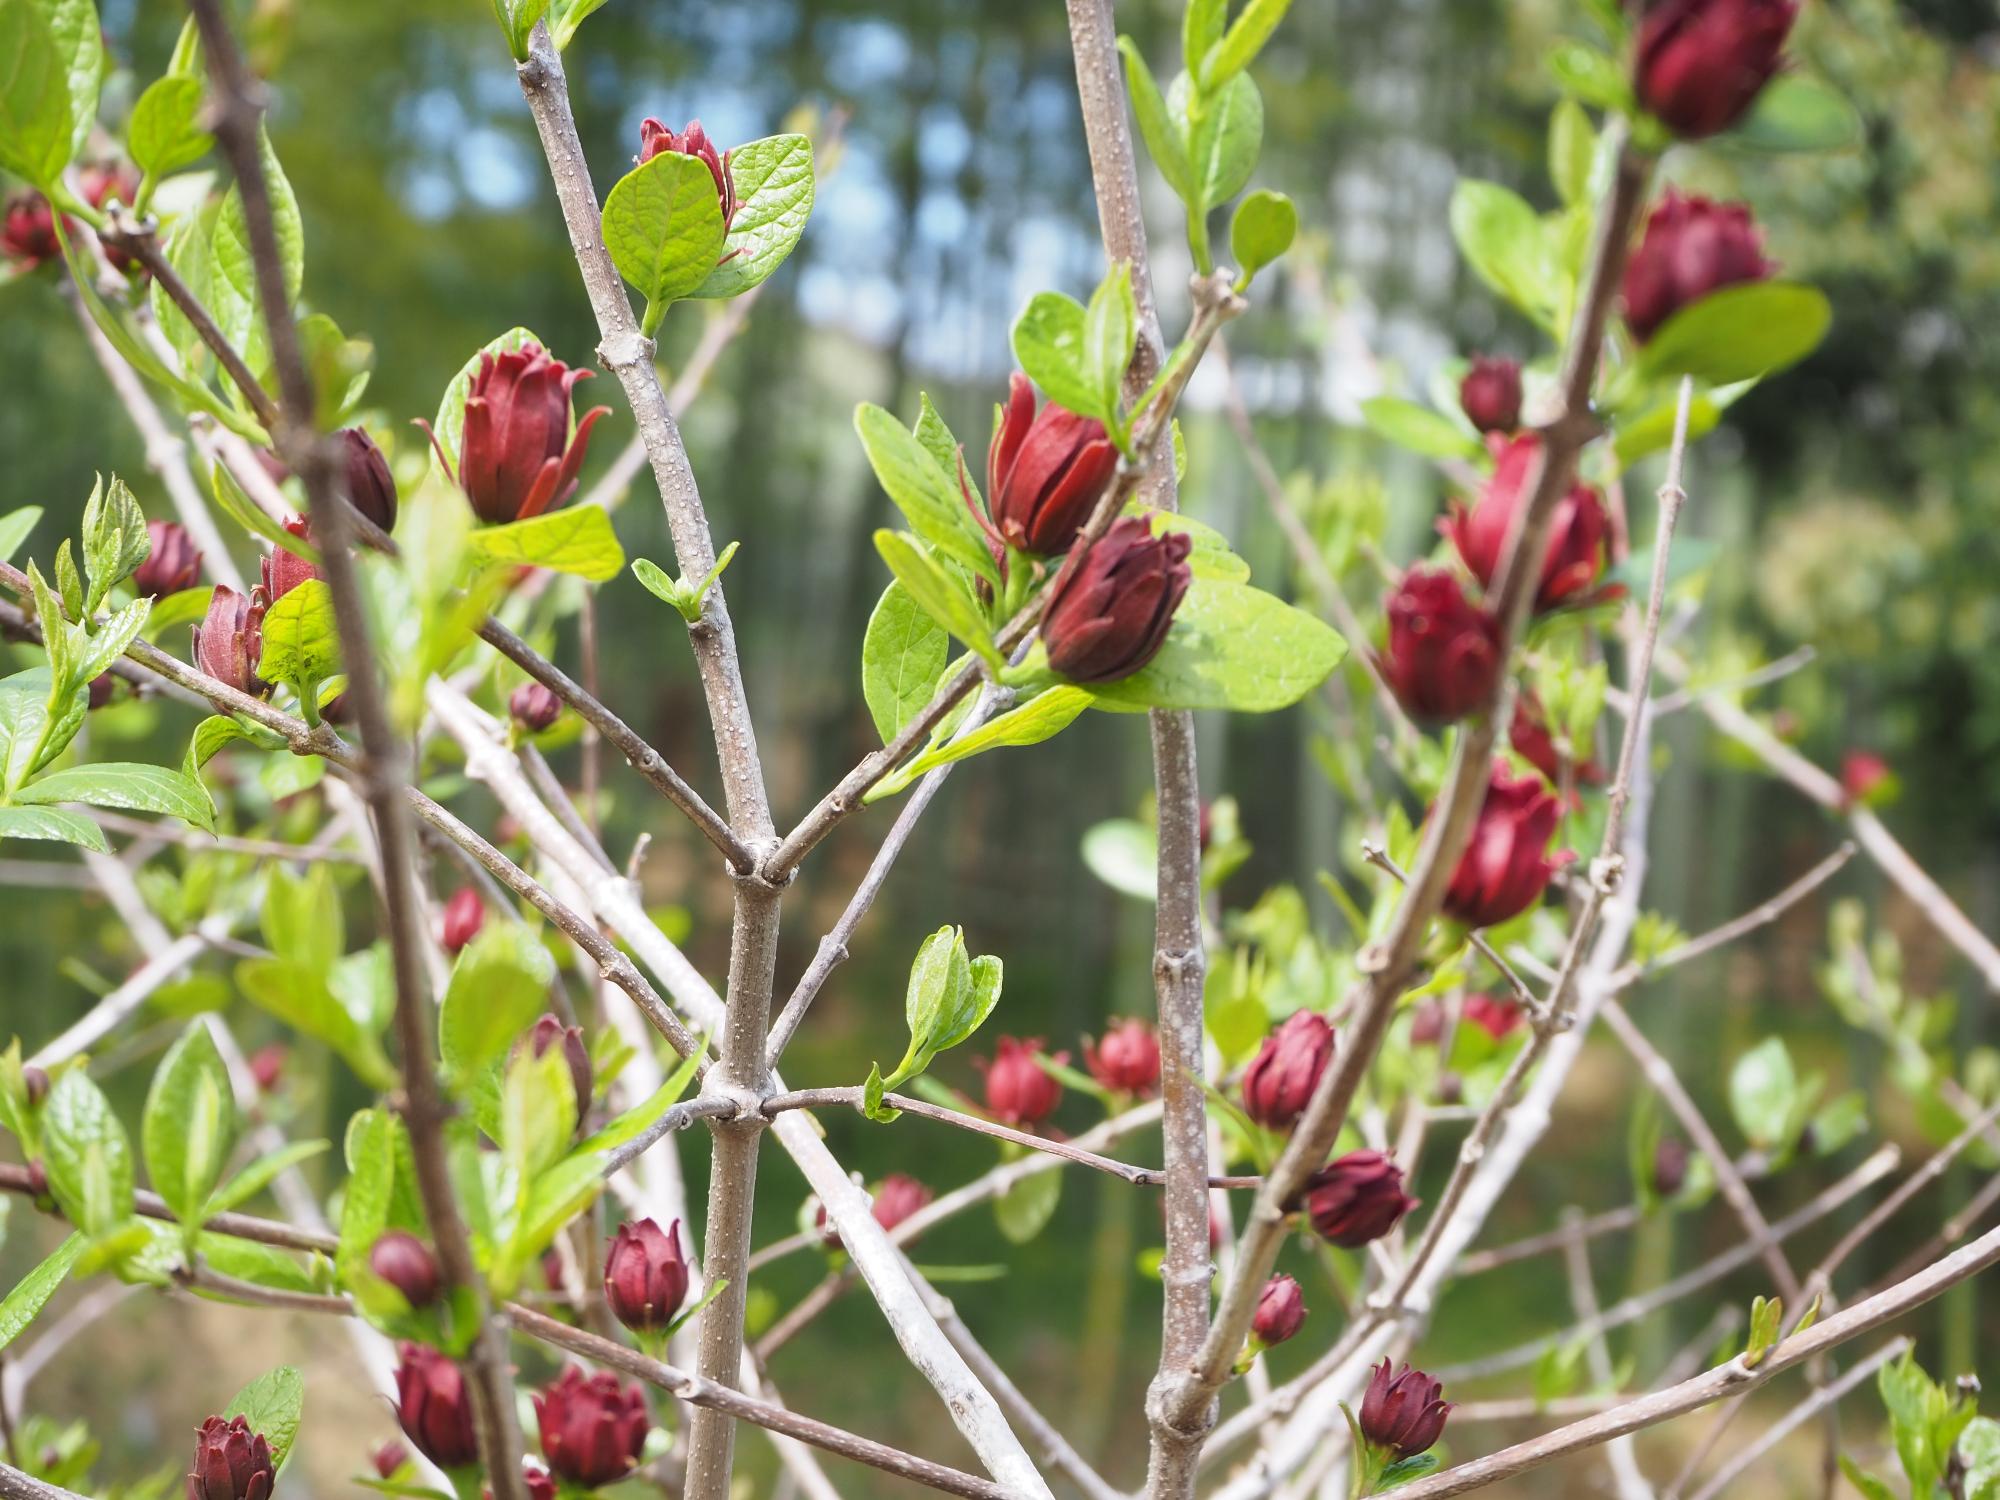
541 1484
406 1263
1490 393
1356 1198
1280 1080
1532 740
645 1275
1506 867
1403 1414
1443 655
267 1066
435 1408
1017 1090
173 563
1427 1024
1495 1016
284 571
28 235
549 1031
534 707
1281 1311
656 139
371 488
1108 611
1862 774
1045 471
464 915
230 639
389 1458
230 1462
516 456
895 1198
1126 1059
1692 246
1575 551
1701 63
1670 1166
593 1429
35 1083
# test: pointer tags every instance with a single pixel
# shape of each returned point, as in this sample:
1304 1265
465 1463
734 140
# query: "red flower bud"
656 139
1575 551
1126 1059
593 1429
1490 394
534 707
1280 1080
230 1462
101 688
371 488
389 1458
645 1275
1530 736
516 455
1109 610
895 1198
1701 63
1506 867
464 915
173 563
230 639
1862 774
284 571
1496 1017
267 1067
541 1484
435 1408
1403 1414
1017 1090
1045 472
104 180
35 1083
1443 655
1692 246
548 1032
1356 1198
1427 1024
28 234
406 1263
1281 1311
1670 1166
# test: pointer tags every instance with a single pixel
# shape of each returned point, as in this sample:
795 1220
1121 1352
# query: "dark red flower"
895 1198
230 639
1108 611
464 915
1506 867
1532 740
516 456
1575 553
1495 1016
1018 1091
1692 246
549 1031
1403 1414
371 487
1126 1059
435 1408
656 139
593 1429
1045 471
388 1458
28 234
173 563
1280 1080
645 1275
1356 1198
406 1263
1862 774
267 1066
541 1484
1281 1311
534 707
284 571
1443 655
1490 393
231 1462
1700 64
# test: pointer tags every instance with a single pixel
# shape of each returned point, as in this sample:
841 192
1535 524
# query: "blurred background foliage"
1852 502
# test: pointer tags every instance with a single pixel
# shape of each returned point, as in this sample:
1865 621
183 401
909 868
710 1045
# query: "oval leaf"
774 186
663 226
1232 646
1738 333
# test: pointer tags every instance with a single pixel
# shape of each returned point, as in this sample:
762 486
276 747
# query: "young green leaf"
565 16
1024 1210
301 641
927 494
1501 238
903 656
259 1175
1798 112
1042 717
1572 146
52 824
1763 1094
641 1117
271 1404
937 592
1053 351
1738 333
1766 1321
1262 229
1162 132
189 1125
773 179
517 23
1110 334
498 986
299 997
578 540
14 529
33 1291
79 41
115 540
35 105
1202 25
663 227
126 785
1592 77
238 307
1224 140
88 1157
537 1111
1241 43
1418 428
371 1176
165 133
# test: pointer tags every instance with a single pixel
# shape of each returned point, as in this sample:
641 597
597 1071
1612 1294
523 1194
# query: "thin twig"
1821 1399
1761 915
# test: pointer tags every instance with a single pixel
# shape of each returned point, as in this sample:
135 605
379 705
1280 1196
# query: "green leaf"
1766 1320
903 656
1652 431
1763 1094
926 494
1024 1210
937 592
1591 76
565 16
1224 140
449 427
1110 334
1738 333
258 1264
14 529
369 1190
498 986
165 133
128 785
1202 25
271 1404
517 23
1053 351
578 540
1501 238
299 997
556 1197
190 1124
1241 43
1417 428
1979 1447
1871 1487
1125 853
1403 1470
537 1111
259 1175
1797 112
1264 225
1232 646
1162 133
970 1007
302 919
88 1158
35 105
340 368
301 641
1042 717
939 975
663 227
1572 146
33 1291
79 39
774 186
53 824
945 450
1211 557
237 307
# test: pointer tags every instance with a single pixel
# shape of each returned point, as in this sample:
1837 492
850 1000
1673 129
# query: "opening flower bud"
371 487
171 565
1443 654
1281 1311
534 707
1574 555
549 1032
464 915
1700 64
231 1462
593 1429
1126 1059
516 454
1109 611
645 1275
1045 471
1692 246
435 1408
655 139
1403 1414
1506 866
1490 394
230 639
1017 1090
